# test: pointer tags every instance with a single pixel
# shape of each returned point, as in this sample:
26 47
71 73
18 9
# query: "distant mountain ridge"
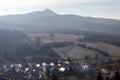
49 20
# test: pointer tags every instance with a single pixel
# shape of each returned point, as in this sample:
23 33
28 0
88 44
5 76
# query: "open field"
57 37
114 51
74 51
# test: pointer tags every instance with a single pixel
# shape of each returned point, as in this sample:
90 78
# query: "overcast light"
95 8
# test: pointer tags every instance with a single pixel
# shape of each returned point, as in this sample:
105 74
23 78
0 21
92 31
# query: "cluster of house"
42 71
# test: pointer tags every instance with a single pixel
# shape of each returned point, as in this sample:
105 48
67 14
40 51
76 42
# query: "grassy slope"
75 52
113 50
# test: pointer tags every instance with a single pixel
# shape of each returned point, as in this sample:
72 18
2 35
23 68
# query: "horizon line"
28 12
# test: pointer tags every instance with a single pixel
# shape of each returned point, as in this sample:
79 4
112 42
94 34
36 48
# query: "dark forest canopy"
15 45
11 40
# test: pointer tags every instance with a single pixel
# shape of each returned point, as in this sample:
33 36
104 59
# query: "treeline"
90 36
59 44
102 37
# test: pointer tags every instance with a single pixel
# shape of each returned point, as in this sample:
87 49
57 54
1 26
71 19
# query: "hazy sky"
95 8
